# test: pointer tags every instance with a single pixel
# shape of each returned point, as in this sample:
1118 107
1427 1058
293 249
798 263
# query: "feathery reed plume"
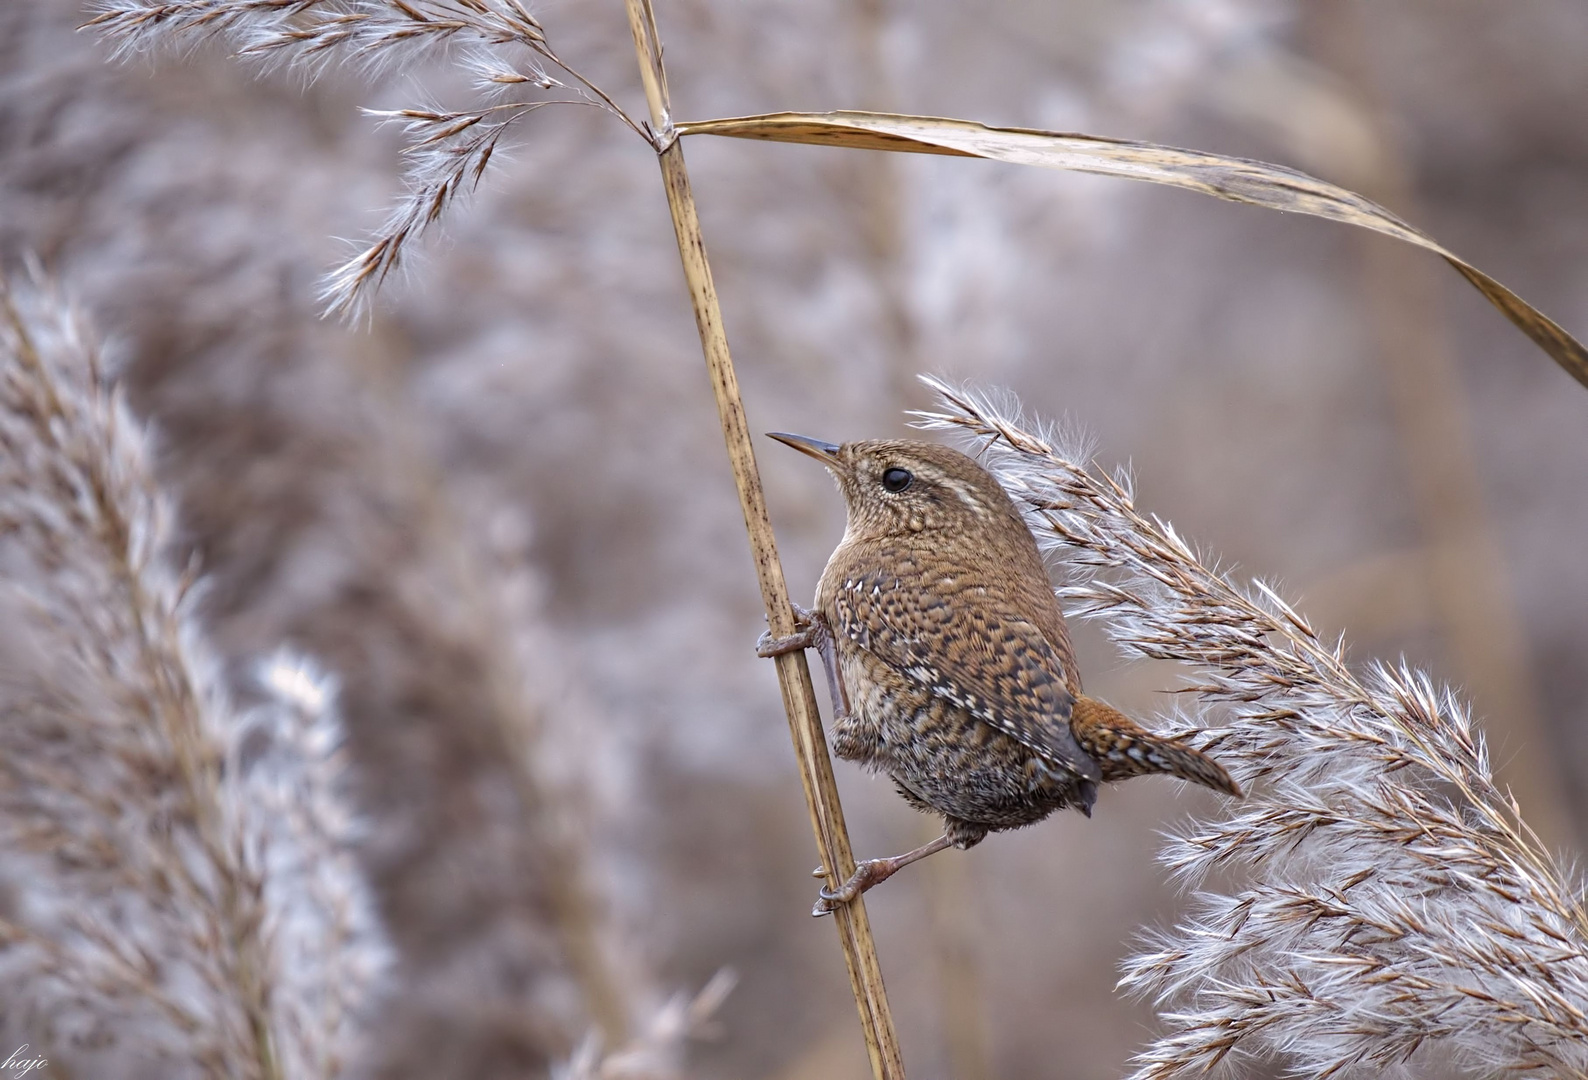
179 888
1395 909
657 1052
320 919
507 51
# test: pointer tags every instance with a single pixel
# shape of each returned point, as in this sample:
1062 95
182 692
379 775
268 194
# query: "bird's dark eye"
896 480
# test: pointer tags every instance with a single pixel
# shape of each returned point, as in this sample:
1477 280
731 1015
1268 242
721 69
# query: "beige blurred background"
501 511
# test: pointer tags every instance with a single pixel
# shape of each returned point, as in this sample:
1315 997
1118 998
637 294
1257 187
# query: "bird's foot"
868 873
811 632
808 634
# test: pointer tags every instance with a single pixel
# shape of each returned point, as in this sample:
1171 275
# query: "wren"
948 659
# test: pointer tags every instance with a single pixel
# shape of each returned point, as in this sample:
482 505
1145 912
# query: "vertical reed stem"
799 701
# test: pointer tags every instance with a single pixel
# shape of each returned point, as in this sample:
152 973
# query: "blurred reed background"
499 513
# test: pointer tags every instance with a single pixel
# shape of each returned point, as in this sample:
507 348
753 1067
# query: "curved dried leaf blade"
1234 179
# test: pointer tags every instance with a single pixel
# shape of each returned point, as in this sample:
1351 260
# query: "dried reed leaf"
1234 179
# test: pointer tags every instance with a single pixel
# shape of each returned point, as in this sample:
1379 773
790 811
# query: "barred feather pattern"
181 890
1391 912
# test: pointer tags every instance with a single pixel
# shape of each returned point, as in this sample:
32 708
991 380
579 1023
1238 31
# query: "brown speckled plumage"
960 678
955 692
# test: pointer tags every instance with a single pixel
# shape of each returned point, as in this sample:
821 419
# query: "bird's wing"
983 657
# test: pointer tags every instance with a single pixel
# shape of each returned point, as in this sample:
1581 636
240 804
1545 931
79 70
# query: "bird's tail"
1124 749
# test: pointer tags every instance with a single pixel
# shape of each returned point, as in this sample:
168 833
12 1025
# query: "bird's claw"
827 902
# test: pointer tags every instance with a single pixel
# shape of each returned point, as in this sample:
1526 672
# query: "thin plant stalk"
794 679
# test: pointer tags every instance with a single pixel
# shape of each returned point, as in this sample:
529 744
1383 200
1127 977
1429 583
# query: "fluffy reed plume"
180 886
1393 910
657 1052
320 924
499 42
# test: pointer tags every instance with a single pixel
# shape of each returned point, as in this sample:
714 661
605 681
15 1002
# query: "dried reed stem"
794 679
1394 910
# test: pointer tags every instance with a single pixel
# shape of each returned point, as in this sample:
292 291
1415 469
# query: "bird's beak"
824 452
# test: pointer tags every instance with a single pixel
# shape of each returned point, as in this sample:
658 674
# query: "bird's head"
896 487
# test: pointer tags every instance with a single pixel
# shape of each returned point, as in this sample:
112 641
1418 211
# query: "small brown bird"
953 671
